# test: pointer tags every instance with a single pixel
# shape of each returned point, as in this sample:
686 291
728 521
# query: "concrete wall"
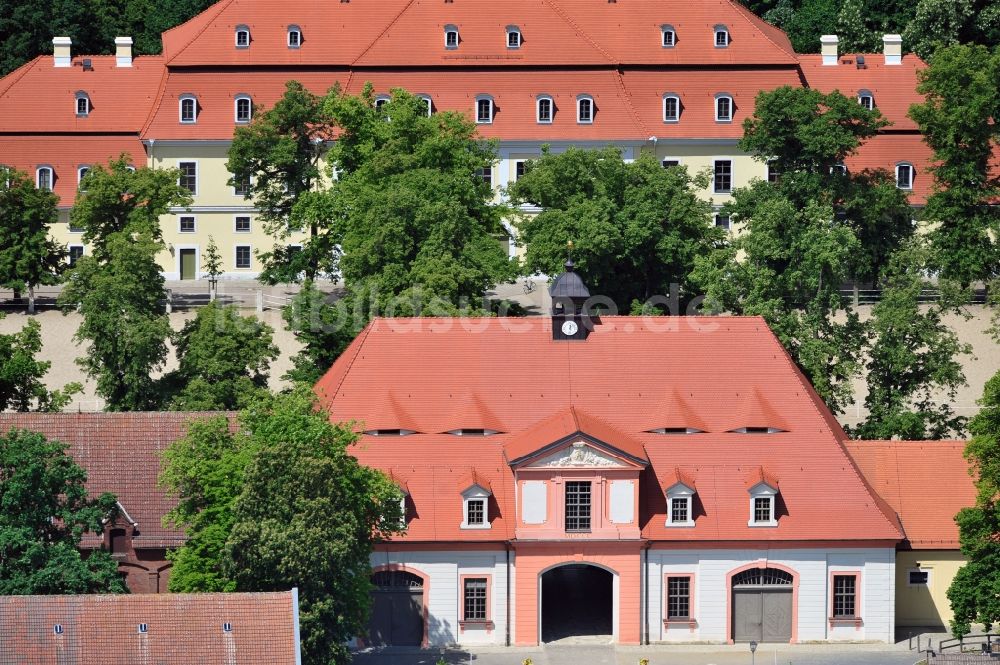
925 605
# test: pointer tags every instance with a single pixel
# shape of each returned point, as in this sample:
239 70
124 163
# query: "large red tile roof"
121 453
180 628
925 482
616 376
885 151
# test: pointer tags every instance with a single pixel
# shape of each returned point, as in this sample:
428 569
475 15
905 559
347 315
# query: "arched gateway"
397 614
577 600
763 605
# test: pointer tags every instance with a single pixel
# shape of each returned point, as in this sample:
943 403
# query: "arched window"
484 109
513 36
904 175
82 104
763 577
188 108
244 109
44 178
242 36
544 109
866 99
585 109
721 36
81 173
294 36
724 107
451 36
671 107
429 102
381 100
668 36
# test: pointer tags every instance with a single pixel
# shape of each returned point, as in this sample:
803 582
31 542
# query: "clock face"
569 328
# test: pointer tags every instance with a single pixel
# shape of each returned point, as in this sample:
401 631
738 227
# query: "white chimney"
62 48
123 51
829 49
893 48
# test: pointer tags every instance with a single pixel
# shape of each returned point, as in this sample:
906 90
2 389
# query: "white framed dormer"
242 109
720 36
429 102
668 36
763 500
451 37
484 110
187 109
45 177
476 508
294 38
904 175
381 100
81 104
242 36
680 504
513 36
671 107
81 173
724 107
585 110
545 109
866 99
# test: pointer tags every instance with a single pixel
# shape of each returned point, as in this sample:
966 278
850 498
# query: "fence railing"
985 643
873 296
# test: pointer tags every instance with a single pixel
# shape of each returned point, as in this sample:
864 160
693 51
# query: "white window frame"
52 177
80 172
763 491
919 569
723 30
197 174
236 109
715 221
476 493
680 162
236 228
732 107
236 192
180 109
236 253
680 491
677 98
579 106
668 29
486 98
381 100
182 231
866 94
732 175
913 173
538 109
83 253
288 38
85 98
236 36
513 30
429 101
458 37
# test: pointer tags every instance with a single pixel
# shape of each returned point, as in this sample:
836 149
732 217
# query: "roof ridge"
627 101
381 34
753 19
221 7
155 106
553 5
363 337
18 74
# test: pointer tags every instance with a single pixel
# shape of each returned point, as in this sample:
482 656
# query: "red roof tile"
760 475
471 412
925 482
565 424
180 628
755 411
673 412
885 151
679 477
472 479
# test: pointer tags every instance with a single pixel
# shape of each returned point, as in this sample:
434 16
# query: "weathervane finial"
569 256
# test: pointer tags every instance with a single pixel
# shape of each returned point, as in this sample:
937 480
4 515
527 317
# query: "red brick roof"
180 628
925 482
121 453
565 424
628 364
885 151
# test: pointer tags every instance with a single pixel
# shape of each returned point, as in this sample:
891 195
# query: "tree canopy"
28 255
22 375
46 511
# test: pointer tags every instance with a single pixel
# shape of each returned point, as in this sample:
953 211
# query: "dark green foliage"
22 377
975 591
28 256
325 324
637 227
44 512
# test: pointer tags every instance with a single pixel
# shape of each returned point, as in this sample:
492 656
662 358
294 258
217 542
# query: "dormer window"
244 109
294 36
763 495
585 109
904 175
81 173
381 101
544 110
472 432
723 108
679 503
475 504
450 37
429 103
44 178
756 430
389 432
82 104
668 36
513 36
484 110
675 430
242 36
866 99
671 107
721 36
188 109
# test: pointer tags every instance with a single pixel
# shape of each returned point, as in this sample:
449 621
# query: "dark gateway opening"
577 600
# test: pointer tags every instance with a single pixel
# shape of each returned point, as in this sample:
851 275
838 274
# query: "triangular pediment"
578 455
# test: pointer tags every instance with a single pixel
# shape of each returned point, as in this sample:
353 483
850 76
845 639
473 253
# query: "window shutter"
622 501
533 499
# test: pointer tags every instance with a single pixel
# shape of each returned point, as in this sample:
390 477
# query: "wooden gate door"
188 264
397 616
762 605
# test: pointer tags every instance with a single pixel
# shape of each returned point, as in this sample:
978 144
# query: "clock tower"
570 321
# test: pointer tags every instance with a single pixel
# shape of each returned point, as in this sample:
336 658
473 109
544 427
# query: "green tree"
223 360
46 511
853 31
975 591
937 23
962 91
28 256
912 358
280 155
636 226
22 377
810 20
212 266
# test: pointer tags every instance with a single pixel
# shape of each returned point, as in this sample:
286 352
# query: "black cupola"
569 294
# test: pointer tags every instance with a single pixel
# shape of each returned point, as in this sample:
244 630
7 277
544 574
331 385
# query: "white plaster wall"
813 566
445 599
